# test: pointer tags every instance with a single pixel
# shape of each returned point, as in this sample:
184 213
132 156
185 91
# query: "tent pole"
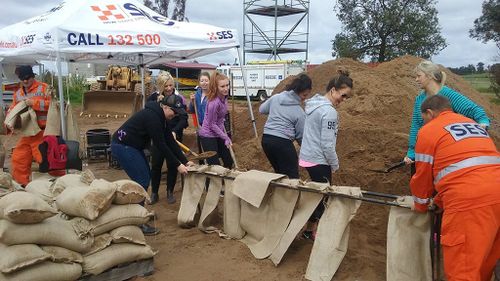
61 95
143 87
243 74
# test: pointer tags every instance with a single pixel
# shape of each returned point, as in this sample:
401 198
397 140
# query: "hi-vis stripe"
424 158
467 163
38 93
422 201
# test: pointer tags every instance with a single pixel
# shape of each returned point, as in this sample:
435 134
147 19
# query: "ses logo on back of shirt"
460 131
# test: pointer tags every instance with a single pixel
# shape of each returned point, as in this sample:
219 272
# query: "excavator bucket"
103 103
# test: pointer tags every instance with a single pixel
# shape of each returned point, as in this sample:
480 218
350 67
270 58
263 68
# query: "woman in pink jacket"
213 136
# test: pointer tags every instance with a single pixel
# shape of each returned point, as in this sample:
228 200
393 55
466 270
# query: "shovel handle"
185 148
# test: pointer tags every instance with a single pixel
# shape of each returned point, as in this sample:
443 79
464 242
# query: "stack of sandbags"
36 243
118 238
114 213
97 226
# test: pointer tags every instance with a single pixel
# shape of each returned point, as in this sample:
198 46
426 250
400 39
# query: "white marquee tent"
111 32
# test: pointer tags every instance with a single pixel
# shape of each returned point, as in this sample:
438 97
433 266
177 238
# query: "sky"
456 17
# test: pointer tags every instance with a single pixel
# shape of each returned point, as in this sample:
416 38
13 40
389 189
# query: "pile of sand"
374 127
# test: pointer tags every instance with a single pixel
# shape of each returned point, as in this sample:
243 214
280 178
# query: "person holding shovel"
284 125
199 104
431 80
318 150
213 136
166 95
456 158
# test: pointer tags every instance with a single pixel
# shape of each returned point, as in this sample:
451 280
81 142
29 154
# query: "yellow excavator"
118 95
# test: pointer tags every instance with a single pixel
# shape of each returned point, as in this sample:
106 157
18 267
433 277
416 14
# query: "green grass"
482 84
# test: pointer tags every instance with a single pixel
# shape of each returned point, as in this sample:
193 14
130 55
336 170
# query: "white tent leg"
61 95
243 74
143 87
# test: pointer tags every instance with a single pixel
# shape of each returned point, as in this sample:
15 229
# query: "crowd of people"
455 164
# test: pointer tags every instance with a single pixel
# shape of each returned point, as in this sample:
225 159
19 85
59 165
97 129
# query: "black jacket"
150 124
179 122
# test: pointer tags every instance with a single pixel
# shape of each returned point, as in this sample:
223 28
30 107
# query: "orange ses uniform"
27 147
457 158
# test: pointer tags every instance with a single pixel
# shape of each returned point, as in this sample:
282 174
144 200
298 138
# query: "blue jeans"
133 162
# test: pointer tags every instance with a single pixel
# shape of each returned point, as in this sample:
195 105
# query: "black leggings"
157 160
282 155
217 145
319 173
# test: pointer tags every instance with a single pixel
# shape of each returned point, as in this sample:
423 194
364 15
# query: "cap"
175 103
24 72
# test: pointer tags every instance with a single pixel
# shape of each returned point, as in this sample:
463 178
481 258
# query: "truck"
261 77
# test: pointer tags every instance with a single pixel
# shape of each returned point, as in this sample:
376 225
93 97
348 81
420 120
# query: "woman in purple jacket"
213 136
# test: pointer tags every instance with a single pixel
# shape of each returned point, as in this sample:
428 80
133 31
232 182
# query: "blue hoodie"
320 133
286 116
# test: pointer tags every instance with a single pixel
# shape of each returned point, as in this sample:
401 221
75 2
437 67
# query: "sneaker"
170 198
154 198
149 230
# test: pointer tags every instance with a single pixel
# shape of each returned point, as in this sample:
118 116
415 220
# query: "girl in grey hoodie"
284 125
317 152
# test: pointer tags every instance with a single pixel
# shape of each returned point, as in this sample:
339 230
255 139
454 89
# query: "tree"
480 67
162 6
487 26
384 29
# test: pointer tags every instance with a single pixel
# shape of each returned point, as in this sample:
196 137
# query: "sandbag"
87 202
5 180
128 234
62 255
129 192
332 236
70 234
408 243
232 211
16 257
67 181
45 271
100 243
25 208
114 255
120 215
41 188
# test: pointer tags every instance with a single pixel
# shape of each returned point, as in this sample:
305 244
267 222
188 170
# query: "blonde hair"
162 79
432 70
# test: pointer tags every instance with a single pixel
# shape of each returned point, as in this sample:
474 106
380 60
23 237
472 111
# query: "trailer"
261 78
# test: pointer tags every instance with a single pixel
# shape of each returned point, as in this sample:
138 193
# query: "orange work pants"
25 151
471 243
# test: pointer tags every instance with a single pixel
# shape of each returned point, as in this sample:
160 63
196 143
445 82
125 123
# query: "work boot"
154 198
149 230
170 197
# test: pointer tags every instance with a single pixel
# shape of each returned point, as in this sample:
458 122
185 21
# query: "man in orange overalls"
37 96
457 158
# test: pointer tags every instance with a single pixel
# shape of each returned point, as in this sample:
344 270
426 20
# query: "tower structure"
275 28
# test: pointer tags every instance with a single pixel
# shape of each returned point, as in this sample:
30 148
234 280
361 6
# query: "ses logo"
111 13
219 35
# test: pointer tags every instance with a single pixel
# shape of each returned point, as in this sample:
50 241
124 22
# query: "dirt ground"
374 127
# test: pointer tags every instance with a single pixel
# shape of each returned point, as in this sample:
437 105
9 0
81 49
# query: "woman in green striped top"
431 80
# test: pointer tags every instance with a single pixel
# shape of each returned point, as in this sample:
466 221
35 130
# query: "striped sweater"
459 103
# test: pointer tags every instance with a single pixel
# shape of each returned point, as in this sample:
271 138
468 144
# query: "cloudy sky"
455 16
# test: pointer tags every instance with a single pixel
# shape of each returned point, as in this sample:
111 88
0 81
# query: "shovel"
194 155
390 168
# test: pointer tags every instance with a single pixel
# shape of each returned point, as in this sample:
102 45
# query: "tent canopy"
110 31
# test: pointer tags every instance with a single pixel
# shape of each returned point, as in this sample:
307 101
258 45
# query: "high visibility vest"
40 94
456 158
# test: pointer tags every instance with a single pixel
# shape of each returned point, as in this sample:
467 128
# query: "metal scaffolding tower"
290 19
